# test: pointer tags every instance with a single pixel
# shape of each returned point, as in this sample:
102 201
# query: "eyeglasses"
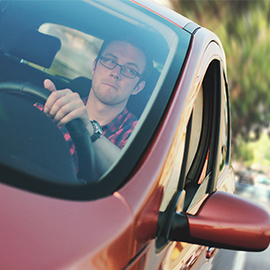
126 71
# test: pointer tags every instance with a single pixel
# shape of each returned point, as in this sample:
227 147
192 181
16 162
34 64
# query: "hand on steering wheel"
76 128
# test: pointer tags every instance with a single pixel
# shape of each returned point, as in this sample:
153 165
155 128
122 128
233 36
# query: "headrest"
36 48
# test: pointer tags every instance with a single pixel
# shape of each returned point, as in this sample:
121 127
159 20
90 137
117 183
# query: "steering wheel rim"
76 128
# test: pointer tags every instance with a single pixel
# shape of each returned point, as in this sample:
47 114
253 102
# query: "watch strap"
95 136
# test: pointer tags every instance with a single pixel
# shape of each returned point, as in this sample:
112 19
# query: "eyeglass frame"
121 67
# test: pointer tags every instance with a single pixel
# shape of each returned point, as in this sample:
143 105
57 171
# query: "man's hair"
149 62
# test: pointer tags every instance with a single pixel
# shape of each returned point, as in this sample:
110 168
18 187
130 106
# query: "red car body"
132 225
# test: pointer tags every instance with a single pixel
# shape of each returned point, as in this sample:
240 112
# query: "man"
119 71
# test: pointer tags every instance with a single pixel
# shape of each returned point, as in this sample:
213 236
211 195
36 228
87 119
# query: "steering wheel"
76 128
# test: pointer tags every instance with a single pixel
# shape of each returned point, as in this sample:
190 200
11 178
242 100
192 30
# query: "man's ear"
138 88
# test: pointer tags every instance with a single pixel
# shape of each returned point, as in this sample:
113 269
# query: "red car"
167 200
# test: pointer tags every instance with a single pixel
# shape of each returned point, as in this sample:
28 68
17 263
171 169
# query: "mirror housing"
224 220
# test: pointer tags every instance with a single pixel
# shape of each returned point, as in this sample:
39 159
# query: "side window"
224 129
199 156
195 164
188 144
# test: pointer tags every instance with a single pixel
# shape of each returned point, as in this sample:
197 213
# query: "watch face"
97 127
97 131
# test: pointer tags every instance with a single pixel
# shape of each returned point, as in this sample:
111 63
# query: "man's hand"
64 105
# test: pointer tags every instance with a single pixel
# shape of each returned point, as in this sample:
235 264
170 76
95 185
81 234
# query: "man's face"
111 87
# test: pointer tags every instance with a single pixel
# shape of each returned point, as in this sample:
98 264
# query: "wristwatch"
97 130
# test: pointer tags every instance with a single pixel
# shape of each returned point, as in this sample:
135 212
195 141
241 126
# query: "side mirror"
224 220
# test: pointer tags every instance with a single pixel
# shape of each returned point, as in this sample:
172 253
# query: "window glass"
201 163
61 41
197 117
224 127
184 149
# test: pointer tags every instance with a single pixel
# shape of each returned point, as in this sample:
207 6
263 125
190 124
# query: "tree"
243 28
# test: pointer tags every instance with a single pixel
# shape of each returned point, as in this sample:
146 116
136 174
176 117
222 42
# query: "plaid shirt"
117 131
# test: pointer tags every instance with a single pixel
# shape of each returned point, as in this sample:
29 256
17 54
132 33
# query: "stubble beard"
108 97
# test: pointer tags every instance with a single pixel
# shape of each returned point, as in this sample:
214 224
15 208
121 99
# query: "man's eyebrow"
109 54
129 63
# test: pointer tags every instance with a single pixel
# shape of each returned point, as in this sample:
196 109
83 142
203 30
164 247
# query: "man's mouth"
110 85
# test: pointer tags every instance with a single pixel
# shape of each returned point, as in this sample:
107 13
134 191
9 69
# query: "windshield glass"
122 62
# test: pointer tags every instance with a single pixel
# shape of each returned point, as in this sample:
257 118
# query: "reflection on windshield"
78 51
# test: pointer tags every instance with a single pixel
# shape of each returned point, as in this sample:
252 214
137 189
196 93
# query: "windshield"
120 59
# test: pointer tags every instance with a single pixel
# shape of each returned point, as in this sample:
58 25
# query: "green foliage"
243 28
253 152
244 152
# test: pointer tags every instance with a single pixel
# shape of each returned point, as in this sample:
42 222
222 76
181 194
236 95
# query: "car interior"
37 48
29 55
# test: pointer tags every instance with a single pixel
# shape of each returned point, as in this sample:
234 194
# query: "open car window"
59 40
194 168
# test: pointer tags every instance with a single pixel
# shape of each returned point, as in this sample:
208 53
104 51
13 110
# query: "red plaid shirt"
117 131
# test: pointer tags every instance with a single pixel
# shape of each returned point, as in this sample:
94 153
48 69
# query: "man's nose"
116 72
